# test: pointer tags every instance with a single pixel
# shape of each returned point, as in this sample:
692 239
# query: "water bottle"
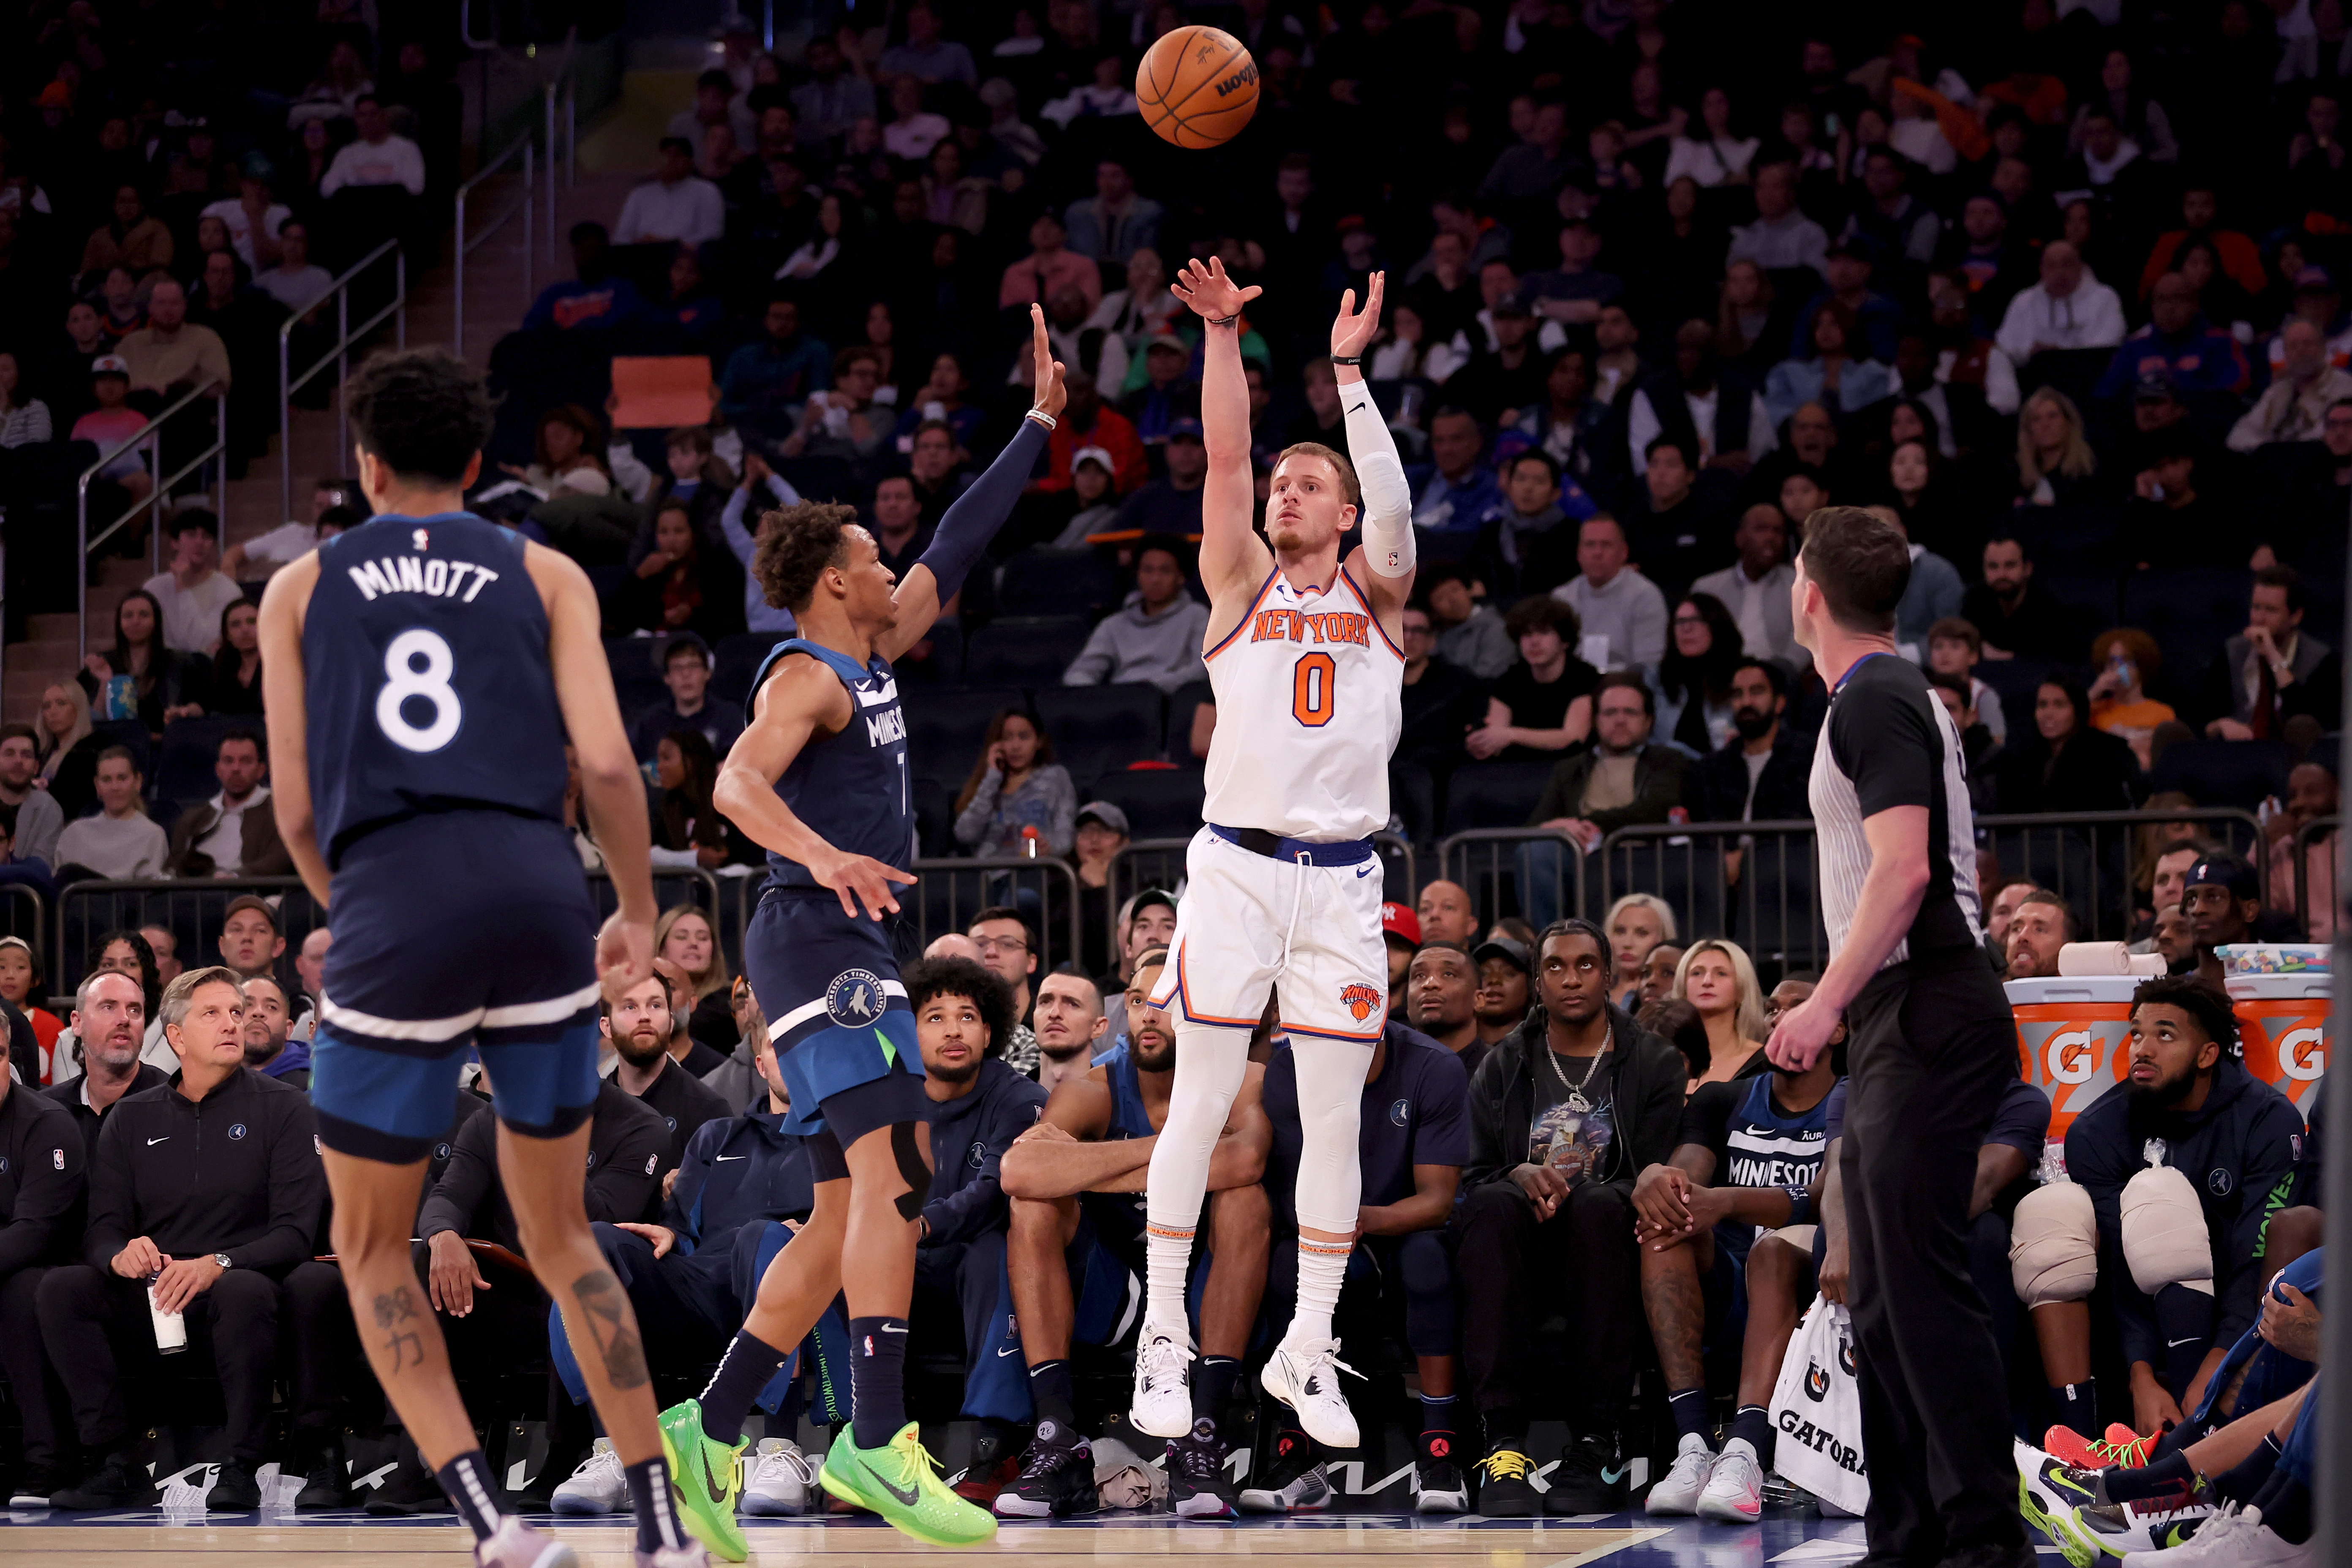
1029 840
171 1327
121 697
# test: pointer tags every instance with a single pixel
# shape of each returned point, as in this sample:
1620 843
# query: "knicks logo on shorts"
854 998
1360 1000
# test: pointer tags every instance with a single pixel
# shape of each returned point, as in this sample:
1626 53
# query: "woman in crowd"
1542 705
1016 786
1709 152
681 584
687 828
684 935
1716 978
68 749
2065 764
565 453
1695 678
1921 493
2128 660
1829 375
21 986
159 678
230 682
1636 924
23 419
1141 310
2055 465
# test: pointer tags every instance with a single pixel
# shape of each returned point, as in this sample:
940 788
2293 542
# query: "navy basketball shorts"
844 1037
453 931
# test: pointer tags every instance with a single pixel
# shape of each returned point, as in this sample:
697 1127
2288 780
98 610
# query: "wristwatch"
223 1259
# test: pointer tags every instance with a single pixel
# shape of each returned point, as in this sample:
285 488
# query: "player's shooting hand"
661 1236
1211 294
857 876
1050 395
1352 329
625 954
451 1277
1802 1034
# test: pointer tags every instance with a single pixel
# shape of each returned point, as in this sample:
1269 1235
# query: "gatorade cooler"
2071 1035
2283 1025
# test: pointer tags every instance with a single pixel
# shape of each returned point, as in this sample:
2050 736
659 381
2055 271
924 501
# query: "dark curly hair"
422 411
935 977
2201 999
796 545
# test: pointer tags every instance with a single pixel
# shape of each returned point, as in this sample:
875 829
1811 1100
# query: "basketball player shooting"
1285 886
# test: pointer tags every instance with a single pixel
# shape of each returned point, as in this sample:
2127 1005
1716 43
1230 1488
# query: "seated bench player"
744 1185
980 1104
1076 1250
2172 1182
1412 1133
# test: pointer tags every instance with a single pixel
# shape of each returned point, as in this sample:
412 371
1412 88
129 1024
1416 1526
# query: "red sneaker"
2121 1448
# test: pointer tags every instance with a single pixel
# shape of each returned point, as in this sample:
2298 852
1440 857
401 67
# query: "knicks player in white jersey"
1284 887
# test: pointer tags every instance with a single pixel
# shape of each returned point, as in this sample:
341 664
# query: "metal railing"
339 354
948 891
564 84
1756 883
1489 858
463 245
2087 857
151 436
24 913
2317 828
191 908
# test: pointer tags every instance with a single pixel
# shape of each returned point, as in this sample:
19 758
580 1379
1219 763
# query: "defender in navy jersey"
423 675
819 780
1933 1049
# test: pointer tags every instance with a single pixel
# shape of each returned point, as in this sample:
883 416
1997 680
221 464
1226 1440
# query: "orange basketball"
1197 87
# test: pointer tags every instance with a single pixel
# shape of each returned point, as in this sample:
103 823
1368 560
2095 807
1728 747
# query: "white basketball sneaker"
1164 1383
1677 1491
599 1486
779 1479
1734 1492
1304 1375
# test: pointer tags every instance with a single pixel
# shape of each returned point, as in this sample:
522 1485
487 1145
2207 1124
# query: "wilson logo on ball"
1360 1000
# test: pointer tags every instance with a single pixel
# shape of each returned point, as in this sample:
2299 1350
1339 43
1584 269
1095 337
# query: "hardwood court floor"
150 1537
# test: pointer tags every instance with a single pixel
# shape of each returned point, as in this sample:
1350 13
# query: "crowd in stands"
2059 295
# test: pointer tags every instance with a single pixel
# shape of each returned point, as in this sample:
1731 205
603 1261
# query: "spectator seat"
1098 730
1181 704
2015 681
1042 582
1494 795
1160 802
734 662
2190 614
945 724
183 772
2223 773
1024 650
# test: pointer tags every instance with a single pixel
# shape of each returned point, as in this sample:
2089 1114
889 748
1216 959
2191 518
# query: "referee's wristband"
1801 1205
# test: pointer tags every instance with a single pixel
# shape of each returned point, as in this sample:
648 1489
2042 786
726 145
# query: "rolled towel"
2088 958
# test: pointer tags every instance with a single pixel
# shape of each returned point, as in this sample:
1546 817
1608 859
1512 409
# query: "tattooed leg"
1678 1312
375 1212
603 1308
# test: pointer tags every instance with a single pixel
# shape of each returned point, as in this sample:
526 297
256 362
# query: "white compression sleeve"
1387 514
1211 1062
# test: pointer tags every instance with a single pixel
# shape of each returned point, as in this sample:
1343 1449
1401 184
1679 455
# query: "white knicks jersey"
1309 704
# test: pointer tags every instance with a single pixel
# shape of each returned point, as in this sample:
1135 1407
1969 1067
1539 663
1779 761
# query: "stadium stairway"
495 302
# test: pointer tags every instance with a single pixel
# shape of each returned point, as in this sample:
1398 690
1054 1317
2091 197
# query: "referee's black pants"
1933 1048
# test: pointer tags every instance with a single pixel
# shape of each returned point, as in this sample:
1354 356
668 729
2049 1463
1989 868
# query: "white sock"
1330 1180
1210 1060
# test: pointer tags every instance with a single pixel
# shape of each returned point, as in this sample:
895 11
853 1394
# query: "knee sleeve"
1211 1061
2053 1246
1330 1100
2165 1242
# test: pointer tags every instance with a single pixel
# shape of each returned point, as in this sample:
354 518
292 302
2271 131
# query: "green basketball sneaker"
899 1482
705 1479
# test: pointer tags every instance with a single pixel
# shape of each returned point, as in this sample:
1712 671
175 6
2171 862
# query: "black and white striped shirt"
1888 742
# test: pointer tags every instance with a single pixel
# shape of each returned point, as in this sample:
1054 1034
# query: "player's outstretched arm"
612 791
1387 514
800 699
285 709
1233 557
976 515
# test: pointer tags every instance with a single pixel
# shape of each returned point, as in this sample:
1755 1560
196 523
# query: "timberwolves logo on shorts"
854 998
1360 1000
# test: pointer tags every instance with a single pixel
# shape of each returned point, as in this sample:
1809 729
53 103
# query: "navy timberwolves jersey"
852 788
428 686
1128 1119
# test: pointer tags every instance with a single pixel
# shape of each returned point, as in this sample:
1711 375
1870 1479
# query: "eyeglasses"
1000 943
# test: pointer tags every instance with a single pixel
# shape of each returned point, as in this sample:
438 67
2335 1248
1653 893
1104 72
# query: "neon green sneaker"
705 1479
899 1482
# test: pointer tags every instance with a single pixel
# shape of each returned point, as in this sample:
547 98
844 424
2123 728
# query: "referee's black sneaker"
120 1482
1588 1479
1504 1483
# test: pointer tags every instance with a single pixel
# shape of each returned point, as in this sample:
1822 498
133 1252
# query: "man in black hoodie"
1564 1112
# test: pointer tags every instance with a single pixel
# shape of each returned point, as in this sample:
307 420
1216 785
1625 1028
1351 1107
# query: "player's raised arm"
289 715
612 791
801 698
1231 556
976 515
1387 514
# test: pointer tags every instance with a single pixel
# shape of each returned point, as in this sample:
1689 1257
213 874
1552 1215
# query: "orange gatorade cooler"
2282 1025
2070 1044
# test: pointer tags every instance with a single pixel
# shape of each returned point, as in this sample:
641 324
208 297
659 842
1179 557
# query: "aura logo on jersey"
854 998
1360 1000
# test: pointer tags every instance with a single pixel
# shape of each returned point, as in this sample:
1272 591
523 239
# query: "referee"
1932 1049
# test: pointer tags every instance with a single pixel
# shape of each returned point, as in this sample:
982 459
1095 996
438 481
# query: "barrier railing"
339 354
2090 858
672 885
1487 863
1754 882
24 913
2305 890
151 437
948 893
191 910
464 245
564 85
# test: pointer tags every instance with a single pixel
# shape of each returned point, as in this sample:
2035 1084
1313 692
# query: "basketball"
1197 87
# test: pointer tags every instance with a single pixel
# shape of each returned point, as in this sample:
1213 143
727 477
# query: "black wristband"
1338 358
1224 321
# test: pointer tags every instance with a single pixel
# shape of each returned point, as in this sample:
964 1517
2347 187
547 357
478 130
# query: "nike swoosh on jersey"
722 1159
153 1141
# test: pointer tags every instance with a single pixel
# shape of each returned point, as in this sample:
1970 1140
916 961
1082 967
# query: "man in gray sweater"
122 840
1155 635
